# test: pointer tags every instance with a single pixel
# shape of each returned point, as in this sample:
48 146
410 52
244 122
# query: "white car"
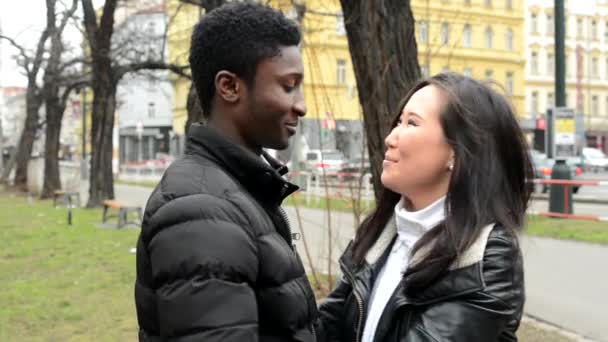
324 161
594 159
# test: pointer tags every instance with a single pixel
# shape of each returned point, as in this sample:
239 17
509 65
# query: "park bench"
66 196
124 210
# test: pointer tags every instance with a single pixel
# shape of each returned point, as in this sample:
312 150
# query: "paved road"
566 282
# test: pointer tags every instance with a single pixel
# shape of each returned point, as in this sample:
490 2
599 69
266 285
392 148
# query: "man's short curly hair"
236 37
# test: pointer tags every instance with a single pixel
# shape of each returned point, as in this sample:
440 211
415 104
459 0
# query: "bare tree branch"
206 4
90 23
21 49
72 62
180 70
71 87
67 15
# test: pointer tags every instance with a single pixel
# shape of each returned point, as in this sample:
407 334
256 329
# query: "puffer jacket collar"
264 181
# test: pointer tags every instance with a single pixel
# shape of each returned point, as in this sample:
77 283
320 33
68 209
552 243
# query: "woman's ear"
227 86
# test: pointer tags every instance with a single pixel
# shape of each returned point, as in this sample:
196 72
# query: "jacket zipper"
359 304
292 236
360 320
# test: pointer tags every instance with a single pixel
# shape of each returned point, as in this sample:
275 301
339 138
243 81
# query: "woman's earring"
451 167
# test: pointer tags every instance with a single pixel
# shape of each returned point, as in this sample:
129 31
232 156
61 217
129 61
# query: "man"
215 260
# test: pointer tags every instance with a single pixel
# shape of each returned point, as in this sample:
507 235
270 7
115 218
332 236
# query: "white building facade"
144 99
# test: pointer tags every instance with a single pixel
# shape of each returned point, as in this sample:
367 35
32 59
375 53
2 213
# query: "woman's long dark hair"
488 183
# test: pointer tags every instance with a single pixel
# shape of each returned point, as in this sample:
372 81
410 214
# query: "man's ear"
227 86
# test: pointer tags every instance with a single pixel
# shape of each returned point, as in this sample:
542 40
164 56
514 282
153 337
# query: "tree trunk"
381 39
54 115
101 186
193 106
99 37
28 136
53 103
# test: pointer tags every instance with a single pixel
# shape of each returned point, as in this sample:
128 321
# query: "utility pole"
560 196
560 54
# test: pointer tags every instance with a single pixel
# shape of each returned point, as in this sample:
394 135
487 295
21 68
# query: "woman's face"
418 158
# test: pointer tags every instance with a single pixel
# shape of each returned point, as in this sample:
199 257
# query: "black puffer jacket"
480 300
214 259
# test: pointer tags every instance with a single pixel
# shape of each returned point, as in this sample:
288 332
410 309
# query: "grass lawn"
75 283
580 230
62 283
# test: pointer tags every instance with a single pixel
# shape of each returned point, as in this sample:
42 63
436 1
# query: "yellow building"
479 38
471 37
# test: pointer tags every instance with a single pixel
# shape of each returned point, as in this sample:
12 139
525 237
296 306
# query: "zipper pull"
294 237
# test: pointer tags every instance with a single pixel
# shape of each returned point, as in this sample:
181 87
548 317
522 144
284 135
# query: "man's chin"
278 145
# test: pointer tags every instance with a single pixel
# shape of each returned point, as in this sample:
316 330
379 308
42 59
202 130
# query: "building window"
534 103
445 33
509 4
606 72
579 28
446 68
606 32
467 2
509 83
595 105
488 3
534 63
533 23
423 28
468 72
594 30
550 100
550 25
606 110
489 37
468 39
341 72
509 39
550 64
595 68
151 110
489 75
340 28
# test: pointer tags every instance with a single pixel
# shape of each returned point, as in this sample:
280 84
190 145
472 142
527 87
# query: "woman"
439 259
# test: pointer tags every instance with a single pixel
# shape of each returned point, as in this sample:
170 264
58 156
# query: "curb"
550 327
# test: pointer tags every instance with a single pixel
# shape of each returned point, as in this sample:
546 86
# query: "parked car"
328 161
543 167
594 159
354 168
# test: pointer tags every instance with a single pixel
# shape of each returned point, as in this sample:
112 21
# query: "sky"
23 20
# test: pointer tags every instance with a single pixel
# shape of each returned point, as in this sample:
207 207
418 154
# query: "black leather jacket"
480 299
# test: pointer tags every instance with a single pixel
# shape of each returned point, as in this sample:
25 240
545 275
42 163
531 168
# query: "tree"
382 44
106 73
193 107
31 64
54 102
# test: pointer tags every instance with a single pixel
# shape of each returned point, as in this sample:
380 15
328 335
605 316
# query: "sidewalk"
566 281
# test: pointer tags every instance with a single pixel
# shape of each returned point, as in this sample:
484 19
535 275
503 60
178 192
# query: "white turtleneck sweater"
411 225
